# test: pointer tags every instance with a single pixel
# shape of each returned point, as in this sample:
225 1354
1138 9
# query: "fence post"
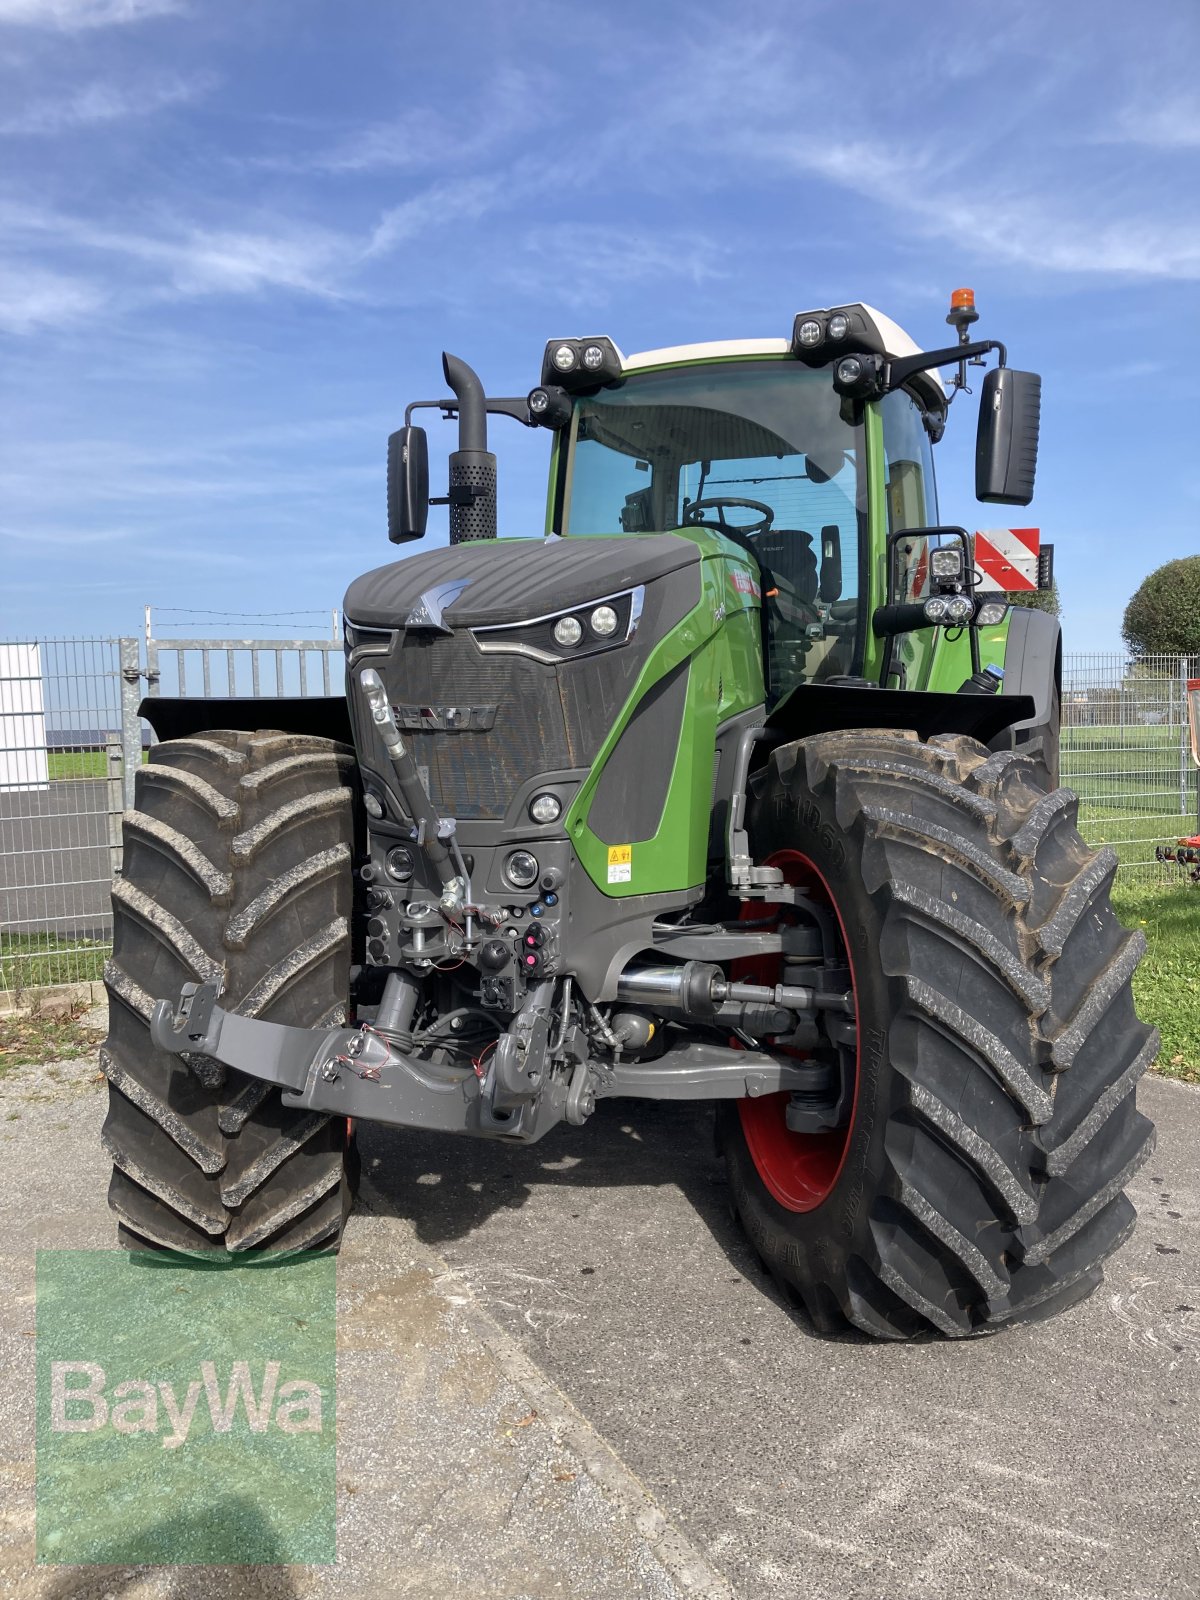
115 758
131 723
1185 753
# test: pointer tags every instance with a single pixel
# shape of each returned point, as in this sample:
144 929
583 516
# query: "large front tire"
237 868
994 1127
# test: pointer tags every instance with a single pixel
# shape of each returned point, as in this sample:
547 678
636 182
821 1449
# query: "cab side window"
911 495
910 489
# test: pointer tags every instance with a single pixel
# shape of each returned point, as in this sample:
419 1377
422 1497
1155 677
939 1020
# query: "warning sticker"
620 863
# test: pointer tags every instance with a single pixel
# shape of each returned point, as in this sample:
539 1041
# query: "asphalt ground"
691 1433
55 862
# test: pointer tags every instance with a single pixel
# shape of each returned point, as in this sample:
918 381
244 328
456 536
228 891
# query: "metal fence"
1126 751
61 774
70 744
71 741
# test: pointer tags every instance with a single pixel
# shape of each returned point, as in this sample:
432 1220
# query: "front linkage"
539 1072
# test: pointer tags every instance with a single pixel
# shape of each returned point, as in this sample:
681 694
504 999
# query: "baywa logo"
136 1405
186 1409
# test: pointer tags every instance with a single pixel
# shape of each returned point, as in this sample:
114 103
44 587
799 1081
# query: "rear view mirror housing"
407 484
1006 444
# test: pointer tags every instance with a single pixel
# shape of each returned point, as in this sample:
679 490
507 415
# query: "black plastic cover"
515 579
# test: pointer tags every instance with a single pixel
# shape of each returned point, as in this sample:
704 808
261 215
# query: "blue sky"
235 236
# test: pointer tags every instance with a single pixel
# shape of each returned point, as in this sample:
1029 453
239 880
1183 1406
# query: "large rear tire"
994 1128
237 867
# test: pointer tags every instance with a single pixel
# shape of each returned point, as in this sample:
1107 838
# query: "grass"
1165 984
66 764
31 1041
32 960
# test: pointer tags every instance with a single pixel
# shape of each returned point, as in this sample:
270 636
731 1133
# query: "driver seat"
788 554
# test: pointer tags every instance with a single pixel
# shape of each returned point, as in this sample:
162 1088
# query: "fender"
1033 667
324 716
825 708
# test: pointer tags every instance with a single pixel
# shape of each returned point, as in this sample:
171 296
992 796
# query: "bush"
1037 599
1163 618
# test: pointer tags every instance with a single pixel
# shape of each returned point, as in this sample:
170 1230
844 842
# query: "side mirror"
407 484
831 564
1006 445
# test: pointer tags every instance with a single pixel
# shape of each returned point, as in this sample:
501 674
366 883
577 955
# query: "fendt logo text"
80 1403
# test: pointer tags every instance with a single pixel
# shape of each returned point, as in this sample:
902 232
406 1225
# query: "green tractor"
735 786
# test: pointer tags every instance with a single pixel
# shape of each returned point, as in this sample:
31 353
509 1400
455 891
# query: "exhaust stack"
472 465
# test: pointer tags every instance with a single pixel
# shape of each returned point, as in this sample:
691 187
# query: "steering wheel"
720 504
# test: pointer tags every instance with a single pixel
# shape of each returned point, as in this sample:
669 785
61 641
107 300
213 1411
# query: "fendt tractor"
738 785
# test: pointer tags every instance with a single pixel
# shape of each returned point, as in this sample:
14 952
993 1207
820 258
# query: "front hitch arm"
348 1072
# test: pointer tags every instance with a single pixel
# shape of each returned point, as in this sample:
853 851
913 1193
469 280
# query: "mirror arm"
901 370
518 409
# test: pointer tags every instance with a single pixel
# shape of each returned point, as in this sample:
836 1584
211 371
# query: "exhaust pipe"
472 465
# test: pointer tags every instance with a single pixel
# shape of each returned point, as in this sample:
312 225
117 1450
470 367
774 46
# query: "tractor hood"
510 580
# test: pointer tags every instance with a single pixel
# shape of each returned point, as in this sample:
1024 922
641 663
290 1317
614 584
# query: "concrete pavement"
691 1430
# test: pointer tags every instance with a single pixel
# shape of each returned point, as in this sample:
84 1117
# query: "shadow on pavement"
448 1188
261 1578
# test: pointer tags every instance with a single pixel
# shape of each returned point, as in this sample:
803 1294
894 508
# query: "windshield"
756 450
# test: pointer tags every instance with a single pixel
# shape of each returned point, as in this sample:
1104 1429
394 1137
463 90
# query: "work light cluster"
569 630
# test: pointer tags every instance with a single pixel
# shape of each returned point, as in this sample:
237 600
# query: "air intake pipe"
472 465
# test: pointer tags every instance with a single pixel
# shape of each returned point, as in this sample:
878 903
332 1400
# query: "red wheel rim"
800 1170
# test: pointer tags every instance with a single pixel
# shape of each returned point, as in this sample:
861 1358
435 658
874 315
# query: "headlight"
593 357
839 326
947 563
935 608
991 612
565 358
545 808
400 863
521 869
603 621
849 370
959 610
568 631
809 333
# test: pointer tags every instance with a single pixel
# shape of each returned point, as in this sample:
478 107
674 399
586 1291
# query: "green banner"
185 1409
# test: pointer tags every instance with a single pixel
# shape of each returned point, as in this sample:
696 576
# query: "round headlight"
565 357
992 612
593 357
849 369
545 808
400 864
935 608
521 869
603 621
959 609
539 401
568 630
809 333
839 326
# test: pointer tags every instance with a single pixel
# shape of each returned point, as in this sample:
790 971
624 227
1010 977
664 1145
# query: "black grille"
474 774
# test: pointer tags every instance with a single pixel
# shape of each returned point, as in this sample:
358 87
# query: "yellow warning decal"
620 863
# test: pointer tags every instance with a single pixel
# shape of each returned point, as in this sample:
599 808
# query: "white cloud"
73 16
99 103
1167 124
193 260
32 298
422 139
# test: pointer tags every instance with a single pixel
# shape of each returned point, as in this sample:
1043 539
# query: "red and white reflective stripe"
1009 556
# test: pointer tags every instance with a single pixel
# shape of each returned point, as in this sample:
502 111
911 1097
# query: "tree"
1163 618
1037 599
